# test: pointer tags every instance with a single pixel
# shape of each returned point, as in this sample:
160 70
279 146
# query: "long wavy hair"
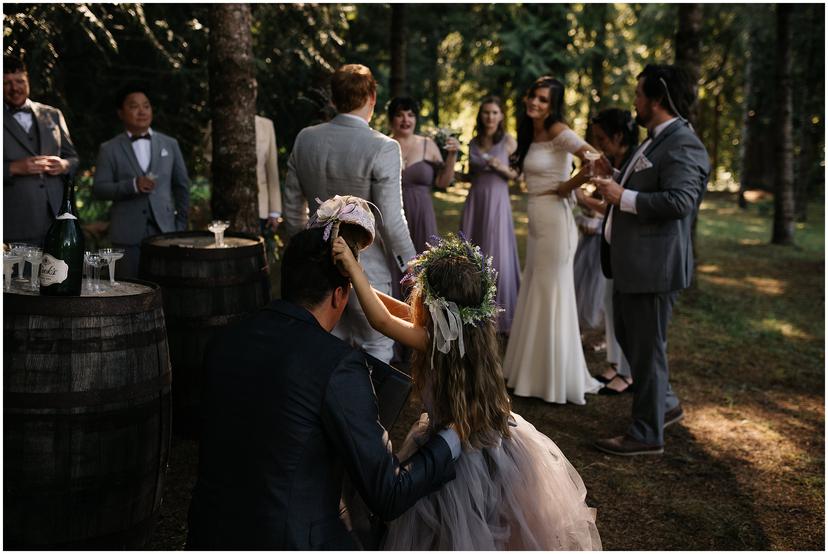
526 129
468 391
480 128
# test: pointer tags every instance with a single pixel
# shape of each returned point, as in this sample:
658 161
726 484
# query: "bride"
544 357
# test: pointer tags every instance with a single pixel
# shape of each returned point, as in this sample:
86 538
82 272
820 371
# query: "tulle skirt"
522 494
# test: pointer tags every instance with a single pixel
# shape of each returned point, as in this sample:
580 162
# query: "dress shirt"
453 439
24 118
628 197
143 153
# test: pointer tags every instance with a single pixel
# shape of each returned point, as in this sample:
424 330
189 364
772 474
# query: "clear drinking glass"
217 227
34 256
592 157
103 261
9 261
112 255
87 273
94 261
18 248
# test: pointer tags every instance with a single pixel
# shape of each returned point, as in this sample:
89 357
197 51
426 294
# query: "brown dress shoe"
624 445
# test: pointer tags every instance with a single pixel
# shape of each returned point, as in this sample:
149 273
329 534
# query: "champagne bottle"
61 271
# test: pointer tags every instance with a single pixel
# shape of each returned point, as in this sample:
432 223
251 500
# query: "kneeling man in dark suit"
288 410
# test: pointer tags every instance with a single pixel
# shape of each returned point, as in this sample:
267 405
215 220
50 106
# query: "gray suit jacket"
651 251
168 202
346 157
31 202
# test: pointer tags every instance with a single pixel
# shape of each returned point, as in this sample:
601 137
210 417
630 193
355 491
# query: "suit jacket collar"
292 310
672 128
11 124
350 121
126 146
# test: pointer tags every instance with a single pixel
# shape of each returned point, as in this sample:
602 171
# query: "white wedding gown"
544 357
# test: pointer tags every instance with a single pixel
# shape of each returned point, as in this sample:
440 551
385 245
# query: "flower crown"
458 246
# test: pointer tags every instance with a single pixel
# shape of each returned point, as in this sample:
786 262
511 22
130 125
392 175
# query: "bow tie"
133 138
21 109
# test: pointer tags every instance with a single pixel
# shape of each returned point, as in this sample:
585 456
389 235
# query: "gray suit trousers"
641 322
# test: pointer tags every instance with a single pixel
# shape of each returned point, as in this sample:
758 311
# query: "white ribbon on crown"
448 326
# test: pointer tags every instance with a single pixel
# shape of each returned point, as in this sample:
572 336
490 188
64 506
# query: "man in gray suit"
142 171
346 157
37 152
647 248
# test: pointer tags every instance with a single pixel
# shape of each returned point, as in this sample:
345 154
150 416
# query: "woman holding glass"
423 168
616 134
544 357
487 214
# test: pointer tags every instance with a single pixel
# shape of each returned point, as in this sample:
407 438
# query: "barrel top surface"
129 296
122 288
203 242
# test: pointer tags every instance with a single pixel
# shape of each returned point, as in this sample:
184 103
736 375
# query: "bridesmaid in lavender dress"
423 168
487 215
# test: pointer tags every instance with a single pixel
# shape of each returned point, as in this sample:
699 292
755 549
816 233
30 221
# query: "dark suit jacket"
31 202
288 408
169 201
651 250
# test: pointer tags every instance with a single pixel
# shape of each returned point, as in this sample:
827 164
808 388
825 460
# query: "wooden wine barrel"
86 418
205 289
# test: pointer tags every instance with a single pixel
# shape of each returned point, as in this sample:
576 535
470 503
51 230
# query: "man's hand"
33 165
609 189
144 184
54 165
273 223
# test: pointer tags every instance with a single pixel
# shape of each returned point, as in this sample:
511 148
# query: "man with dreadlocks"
514 488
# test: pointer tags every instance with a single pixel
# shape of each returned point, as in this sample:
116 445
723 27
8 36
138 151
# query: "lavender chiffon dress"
417 180
487 222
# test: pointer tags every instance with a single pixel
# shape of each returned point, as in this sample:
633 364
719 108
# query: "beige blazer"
267 170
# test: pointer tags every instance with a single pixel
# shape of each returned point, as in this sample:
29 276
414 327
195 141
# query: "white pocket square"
164 152
642 163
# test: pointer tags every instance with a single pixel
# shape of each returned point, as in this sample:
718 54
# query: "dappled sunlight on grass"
708 268
746 433
784 328
762 285
767 285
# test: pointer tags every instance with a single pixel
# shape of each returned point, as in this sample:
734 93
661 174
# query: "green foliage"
80 54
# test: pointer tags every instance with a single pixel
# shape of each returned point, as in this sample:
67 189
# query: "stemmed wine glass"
10 258
111 255
217 227
34 256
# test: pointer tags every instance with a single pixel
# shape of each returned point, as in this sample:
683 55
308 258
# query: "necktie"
133 138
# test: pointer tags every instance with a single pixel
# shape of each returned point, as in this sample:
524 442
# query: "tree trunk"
233 107
783 198
398 51
714 139
688 56
688 48
596 95
435 76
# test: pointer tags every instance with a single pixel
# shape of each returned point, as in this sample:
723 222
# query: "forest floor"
745 469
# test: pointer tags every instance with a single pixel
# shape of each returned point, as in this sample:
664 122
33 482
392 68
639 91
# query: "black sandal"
612 392
603 379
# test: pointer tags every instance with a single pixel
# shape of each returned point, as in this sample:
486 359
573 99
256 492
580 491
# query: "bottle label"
66 215
53 270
